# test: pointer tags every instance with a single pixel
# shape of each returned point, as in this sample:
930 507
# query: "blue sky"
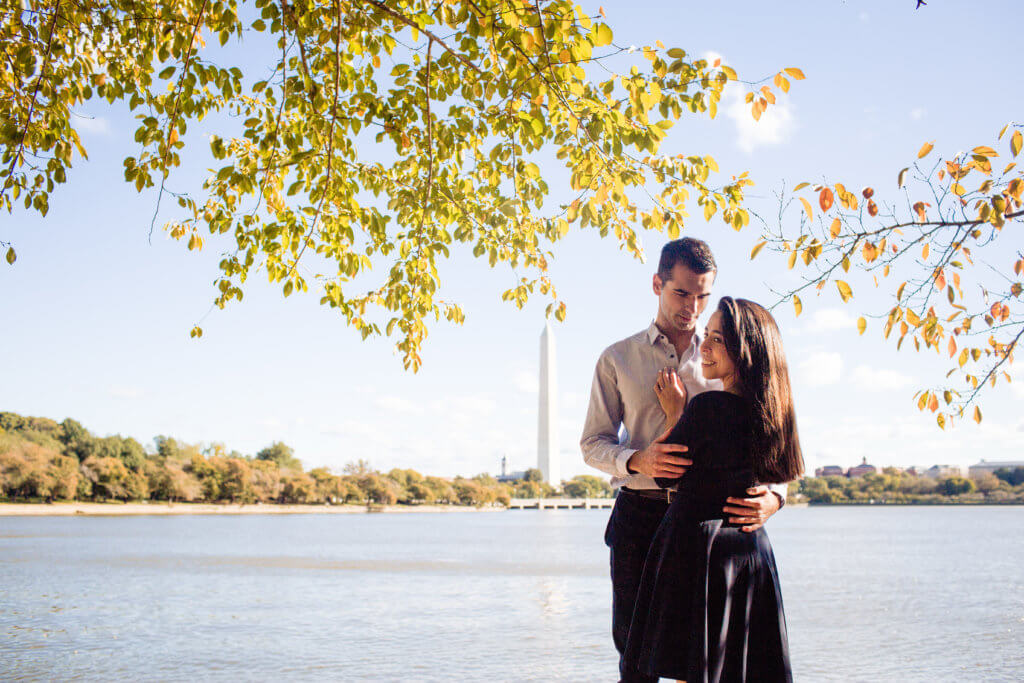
96 319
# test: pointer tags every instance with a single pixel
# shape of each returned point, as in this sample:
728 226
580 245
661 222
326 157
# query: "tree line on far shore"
895 487
42 459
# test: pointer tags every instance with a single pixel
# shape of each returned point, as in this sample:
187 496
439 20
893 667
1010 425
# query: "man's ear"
657 284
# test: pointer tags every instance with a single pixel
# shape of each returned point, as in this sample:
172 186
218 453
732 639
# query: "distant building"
509 476
861 469
985 467
829 471
943 471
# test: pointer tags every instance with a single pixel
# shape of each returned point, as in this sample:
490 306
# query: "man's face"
682 298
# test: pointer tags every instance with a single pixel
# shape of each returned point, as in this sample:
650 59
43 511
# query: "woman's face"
715 361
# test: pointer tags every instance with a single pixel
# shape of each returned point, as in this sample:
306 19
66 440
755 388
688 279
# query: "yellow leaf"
844 290
1015 144
807 208
985 151
977 414
797 306
862 324
836 227
792 259
927 147
795 73
924 252
801 186
901 177
757 249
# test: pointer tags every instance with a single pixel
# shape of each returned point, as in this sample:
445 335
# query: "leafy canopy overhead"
381 136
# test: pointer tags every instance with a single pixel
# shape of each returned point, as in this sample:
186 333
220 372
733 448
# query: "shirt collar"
653 333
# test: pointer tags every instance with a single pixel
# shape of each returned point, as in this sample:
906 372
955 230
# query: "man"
623 396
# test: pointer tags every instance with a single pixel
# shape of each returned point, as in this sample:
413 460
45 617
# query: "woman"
709 606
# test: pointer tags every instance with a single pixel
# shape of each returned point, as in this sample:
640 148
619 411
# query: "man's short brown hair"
693 253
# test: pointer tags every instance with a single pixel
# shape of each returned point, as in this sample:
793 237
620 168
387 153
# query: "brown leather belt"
664 495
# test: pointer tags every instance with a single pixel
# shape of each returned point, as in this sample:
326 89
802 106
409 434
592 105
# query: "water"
872 594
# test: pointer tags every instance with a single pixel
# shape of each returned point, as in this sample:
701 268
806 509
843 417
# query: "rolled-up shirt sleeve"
600 441
781 490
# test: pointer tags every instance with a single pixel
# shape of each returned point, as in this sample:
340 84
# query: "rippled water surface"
872 594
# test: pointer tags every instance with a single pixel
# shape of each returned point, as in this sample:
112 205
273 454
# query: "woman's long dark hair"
754 344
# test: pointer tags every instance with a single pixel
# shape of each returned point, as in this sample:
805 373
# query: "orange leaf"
825 199
795 73
836 227
927 147
952 347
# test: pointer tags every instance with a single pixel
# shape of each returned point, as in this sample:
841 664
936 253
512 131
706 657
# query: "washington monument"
547 415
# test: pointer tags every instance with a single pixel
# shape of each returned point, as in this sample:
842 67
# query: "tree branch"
409 22
32 106
174 116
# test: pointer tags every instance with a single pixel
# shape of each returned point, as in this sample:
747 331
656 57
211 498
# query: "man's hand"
660 459
754 511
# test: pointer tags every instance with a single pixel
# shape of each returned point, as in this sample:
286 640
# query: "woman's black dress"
709 608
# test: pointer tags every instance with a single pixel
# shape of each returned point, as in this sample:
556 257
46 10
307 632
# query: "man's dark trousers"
631 527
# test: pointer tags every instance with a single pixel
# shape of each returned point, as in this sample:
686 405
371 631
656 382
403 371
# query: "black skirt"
709 608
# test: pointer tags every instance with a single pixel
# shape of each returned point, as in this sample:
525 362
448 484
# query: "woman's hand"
671 394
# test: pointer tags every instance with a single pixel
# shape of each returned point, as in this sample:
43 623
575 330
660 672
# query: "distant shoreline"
71 509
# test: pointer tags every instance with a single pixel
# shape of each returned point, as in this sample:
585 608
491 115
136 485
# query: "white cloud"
822 368
828 319
918 113
774 126
864 17
526 381
94 125
398 404
125 392
879 379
